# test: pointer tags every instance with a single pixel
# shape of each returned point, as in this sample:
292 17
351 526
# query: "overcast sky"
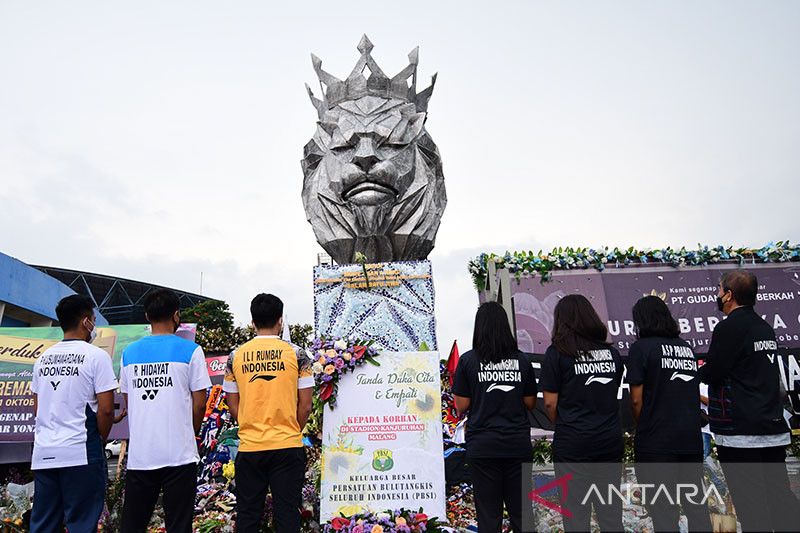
159 140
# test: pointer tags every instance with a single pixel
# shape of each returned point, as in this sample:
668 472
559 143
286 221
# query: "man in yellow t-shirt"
269 384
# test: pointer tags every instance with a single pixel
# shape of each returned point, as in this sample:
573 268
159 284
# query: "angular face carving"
373 178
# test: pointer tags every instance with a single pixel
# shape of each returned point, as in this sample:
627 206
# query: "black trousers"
673 470
142 488
280 471
496 482
578 514
759 487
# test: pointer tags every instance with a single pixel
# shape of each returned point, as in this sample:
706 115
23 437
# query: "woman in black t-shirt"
495 382
665 396
580 378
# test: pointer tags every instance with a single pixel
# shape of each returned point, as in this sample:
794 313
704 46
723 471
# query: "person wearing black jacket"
495 382
745 409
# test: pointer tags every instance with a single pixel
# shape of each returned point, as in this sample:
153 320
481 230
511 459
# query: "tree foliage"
217 334
301 334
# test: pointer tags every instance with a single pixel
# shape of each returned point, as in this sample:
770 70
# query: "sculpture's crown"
376 83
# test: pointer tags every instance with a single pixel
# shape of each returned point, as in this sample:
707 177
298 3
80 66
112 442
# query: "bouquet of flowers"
399 521
333 358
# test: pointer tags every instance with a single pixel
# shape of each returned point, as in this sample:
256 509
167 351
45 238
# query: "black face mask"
720 303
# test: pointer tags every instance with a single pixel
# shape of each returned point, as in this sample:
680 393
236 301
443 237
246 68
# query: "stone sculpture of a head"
373 180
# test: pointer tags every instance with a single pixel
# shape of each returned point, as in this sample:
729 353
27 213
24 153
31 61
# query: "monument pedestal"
382 443
396 311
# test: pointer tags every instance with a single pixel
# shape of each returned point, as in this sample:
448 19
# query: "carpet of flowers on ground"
528 263
397 521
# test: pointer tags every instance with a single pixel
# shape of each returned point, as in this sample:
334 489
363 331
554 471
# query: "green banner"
19 349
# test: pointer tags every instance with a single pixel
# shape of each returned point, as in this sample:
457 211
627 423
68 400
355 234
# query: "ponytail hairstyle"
576 327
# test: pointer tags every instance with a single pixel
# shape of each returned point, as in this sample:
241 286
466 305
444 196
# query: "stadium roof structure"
121 301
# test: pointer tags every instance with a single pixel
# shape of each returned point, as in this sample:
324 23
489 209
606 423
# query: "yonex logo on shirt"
149 394
55 384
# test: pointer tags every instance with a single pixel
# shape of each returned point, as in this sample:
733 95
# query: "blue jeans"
711 467
73 497
706 445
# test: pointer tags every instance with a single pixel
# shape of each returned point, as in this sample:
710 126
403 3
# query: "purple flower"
339 363
326 378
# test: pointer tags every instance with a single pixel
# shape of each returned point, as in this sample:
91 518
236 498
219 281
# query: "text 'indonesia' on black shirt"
587 425
670 417
498 420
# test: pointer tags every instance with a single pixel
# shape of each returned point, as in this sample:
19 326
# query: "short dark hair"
652 318
266 310
72 309
160 304
742 284
576 326
492 339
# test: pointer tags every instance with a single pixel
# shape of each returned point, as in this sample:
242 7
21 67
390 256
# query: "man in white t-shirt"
73 385
164 379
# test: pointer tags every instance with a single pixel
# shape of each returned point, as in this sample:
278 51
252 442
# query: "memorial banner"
790 375
382 444
690 293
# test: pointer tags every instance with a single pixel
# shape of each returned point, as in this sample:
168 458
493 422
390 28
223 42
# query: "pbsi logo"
382 460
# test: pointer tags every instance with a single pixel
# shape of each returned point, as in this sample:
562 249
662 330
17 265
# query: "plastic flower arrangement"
332 358
399 521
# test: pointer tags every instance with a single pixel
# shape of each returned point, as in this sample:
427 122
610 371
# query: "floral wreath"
398 521
332 358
